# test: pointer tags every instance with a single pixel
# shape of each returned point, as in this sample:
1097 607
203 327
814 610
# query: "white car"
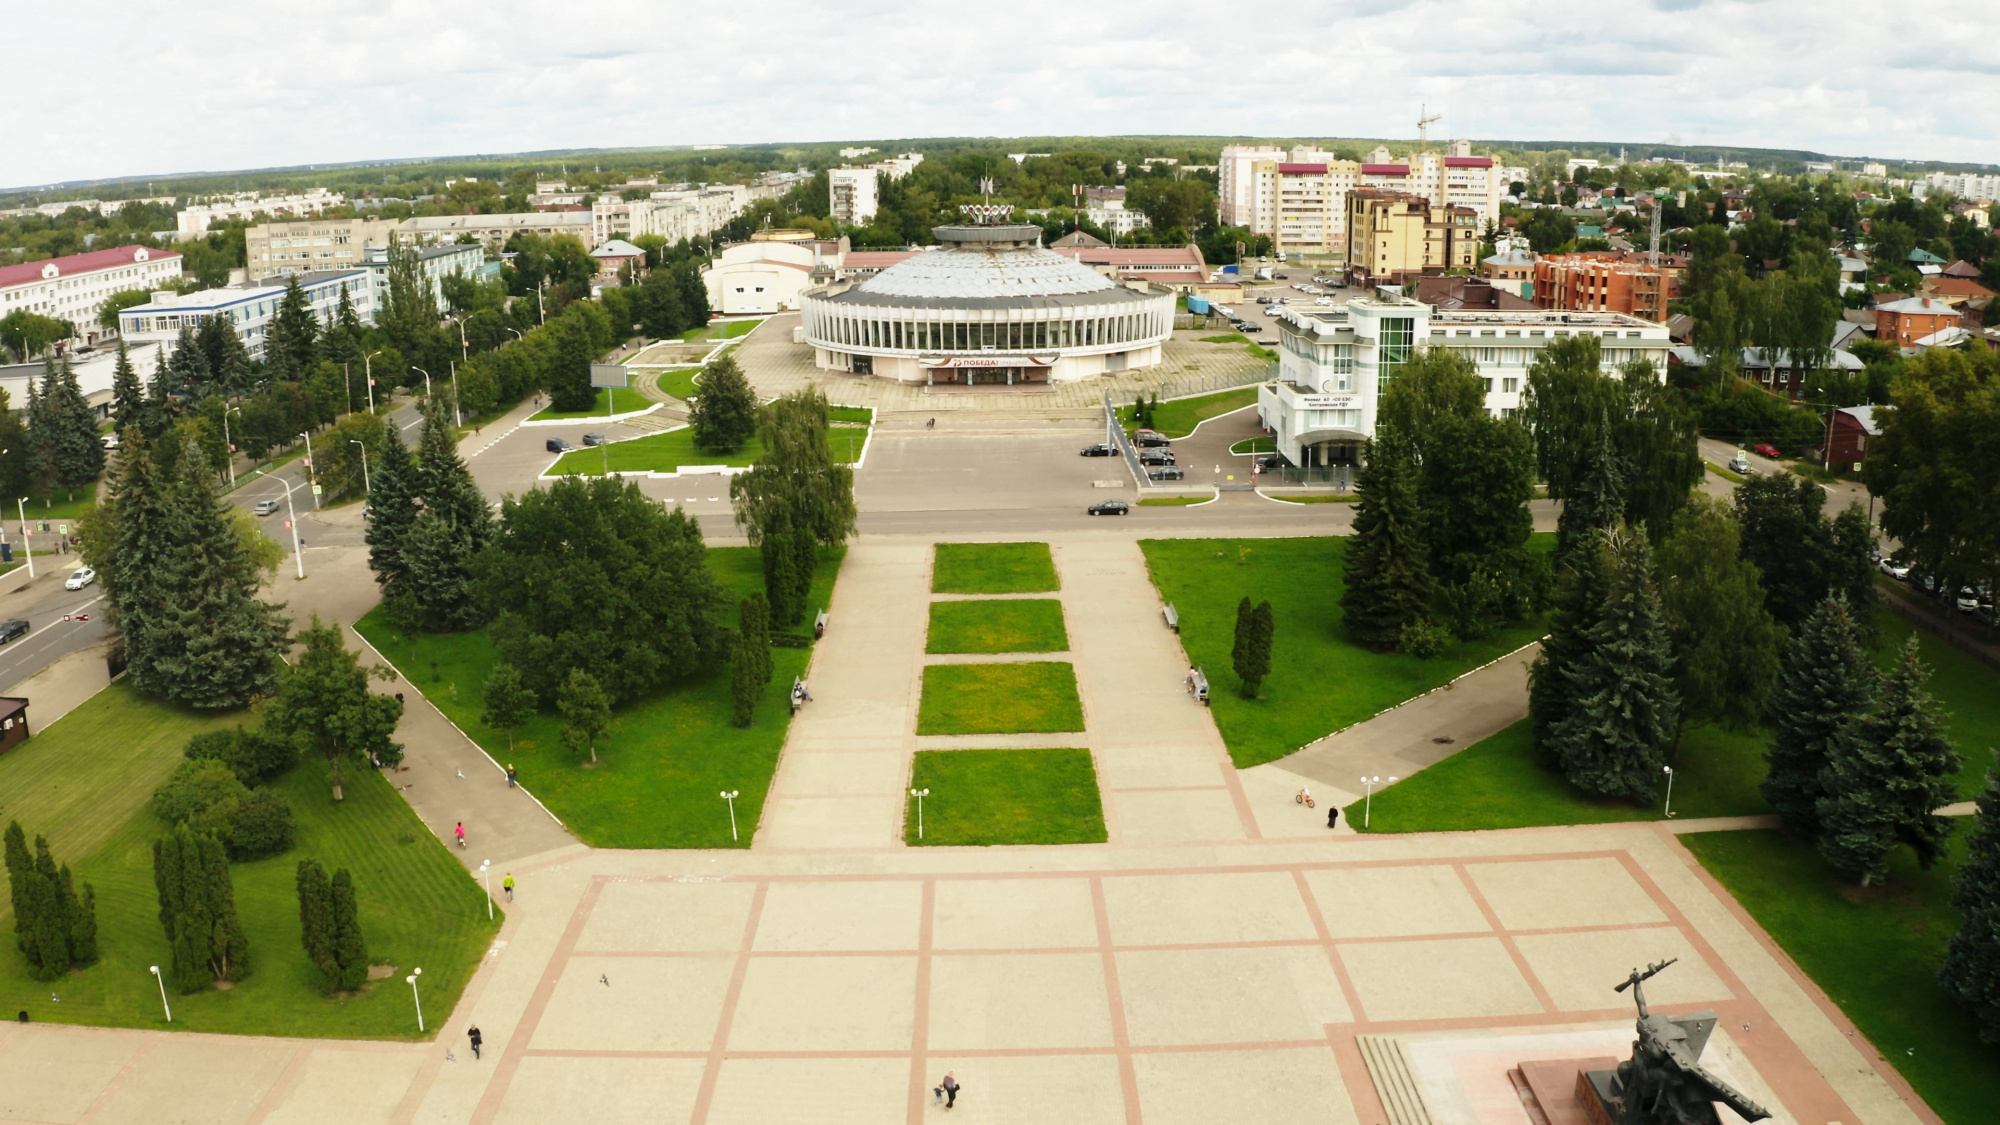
84 576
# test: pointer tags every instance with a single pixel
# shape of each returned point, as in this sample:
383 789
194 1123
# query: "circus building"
989 306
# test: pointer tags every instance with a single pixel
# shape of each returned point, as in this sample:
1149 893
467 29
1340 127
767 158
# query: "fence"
1208 384
1341 476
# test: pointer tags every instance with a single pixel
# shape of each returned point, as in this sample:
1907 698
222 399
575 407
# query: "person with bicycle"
461 833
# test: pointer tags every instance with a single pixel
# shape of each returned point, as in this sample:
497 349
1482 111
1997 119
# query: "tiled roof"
1957 287
81 263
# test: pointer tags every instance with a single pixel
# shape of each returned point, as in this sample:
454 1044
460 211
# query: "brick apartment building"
1601 282
1904 322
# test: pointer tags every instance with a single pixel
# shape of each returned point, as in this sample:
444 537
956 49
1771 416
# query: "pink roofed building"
74 288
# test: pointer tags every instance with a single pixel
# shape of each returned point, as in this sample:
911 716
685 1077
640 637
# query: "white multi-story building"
435 263
854 199
194 220
1333 364
1453 179
74 288
1105 208
251 307
1963 185
493 231
674 214
1237 199
312 245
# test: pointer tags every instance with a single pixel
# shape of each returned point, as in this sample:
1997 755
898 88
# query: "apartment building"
1105 209
852 190
1333 364
493 231
1608 282
675 214
313 245
1395 235
250 307
1962 185
1455 178
74 288
194 220
1237 198
435 263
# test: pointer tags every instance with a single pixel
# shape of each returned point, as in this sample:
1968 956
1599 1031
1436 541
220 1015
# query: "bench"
1198 685
1173 617
819 625
797 683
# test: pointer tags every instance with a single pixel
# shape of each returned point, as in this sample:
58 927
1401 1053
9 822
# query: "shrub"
1422 639
262 826
194 788
206 796
255 756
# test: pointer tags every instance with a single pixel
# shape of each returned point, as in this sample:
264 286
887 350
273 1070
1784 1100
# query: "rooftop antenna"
1424 119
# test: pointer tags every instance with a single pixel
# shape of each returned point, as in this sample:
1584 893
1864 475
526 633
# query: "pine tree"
585 709
509 702
1825 687
392 509
1623 707
228 361
1596 502
141 537
78 455
1886 776
128 398
349 950
291 348
448 531
1971 972
316 924
211 643
1388 577
188 378
724 414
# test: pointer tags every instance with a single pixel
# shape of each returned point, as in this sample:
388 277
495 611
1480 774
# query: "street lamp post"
920 794
367 489
1368 805
27 538
368 376
486 877
730 796
163 992
463 351
427 379
1670 790
457 419
414 997
312 471
292 518
227 448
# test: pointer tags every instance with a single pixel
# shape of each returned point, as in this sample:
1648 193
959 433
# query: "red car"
1766 449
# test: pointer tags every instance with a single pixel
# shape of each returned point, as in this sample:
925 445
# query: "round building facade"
990 306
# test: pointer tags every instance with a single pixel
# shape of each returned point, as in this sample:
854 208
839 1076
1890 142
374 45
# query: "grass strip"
1007 625
986 797
993 568
1030 698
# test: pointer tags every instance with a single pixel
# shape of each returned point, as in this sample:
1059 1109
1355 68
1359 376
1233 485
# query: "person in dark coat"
476 1041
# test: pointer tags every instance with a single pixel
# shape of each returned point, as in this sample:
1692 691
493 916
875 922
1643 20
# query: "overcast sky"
130 89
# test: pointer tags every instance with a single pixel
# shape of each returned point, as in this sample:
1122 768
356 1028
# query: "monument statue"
1663 1082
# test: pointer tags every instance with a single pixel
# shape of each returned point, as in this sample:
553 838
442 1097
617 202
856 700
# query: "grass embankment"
1173 501
1177 418
1320 680
1030 698
664 452
1875 952
680 382
1317 498
1496 782
993 568
667 755
1255 445
984 797
1001 625
86 782
721 330
609 400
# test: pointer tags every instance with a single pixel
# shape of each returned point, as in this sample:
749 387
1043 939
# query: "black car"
9 630
1170 472
558 445
1147 439
1157 457
1098 450
1281 277
593 439
1270 461
1110 508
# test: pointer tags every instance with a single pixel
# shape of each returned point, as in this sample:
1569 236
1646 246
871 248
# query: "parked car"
1270 461
593 439
1109 508
1968 599
110 441
264 507
11 630
1148 439
1281 277
558 445
1156 456
1766 449
1169 472
1739 464
1098 450
83 576
1896 570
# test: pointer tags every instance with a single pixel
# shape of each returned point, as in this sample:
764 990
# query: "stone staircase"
1393 1081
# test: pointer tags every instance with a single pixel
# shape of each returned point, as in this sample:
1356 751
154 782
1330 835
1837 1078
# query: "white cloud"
97 91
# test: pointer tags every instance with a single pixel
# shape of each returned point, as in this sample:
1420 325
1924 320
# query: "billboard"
610 375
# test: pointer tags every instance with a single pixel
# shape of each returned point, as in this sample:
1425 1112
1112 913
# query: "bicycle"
1303 797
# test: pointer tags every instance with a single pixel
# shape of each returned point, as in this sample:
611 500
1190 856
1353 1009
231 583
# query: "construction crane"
1424 119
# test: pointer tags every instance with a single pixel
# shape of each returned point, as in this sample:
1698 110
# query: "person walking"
461 833
931 425
1332 815
512 777
476 1041
507 884
950 1085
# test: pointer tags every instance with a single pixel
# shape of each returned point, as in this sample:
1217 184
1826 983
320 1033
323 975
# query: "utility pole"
1654 249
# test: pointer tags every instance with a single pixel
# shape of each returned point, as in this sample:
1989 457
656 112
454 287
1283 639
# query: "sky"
124 89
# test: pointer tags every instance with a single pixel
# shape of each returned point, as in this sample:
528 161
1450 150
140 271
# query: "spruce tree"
1825 687
160 403
724 413
444 483
78 454
212 644
509 702
1886 776
1263 631
316 924
1623 709
141 539
128 398
448 531
292 345
1388 576
228 361
349 950
187 376
392 509
44 432
1971 972
1597 500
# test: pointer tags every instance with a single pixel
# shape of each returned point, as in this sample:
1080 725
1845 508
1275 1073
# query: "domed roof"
973 263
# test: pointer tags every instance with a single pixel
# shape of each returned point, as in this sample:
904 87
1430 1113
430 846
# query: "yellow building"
1393 236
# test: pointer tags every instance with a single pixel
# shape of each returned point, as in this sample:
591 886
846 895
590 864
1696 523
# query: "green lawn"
1320 681
1968 690
1031 698
1226 338
993 568
1248 446
1495 783
983 797
725 330
1876 954
847 442
862 415
1173 501
609 400
679 382
1001 625
63 505
1319 498
85 782
1178 417
664 452
667 755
